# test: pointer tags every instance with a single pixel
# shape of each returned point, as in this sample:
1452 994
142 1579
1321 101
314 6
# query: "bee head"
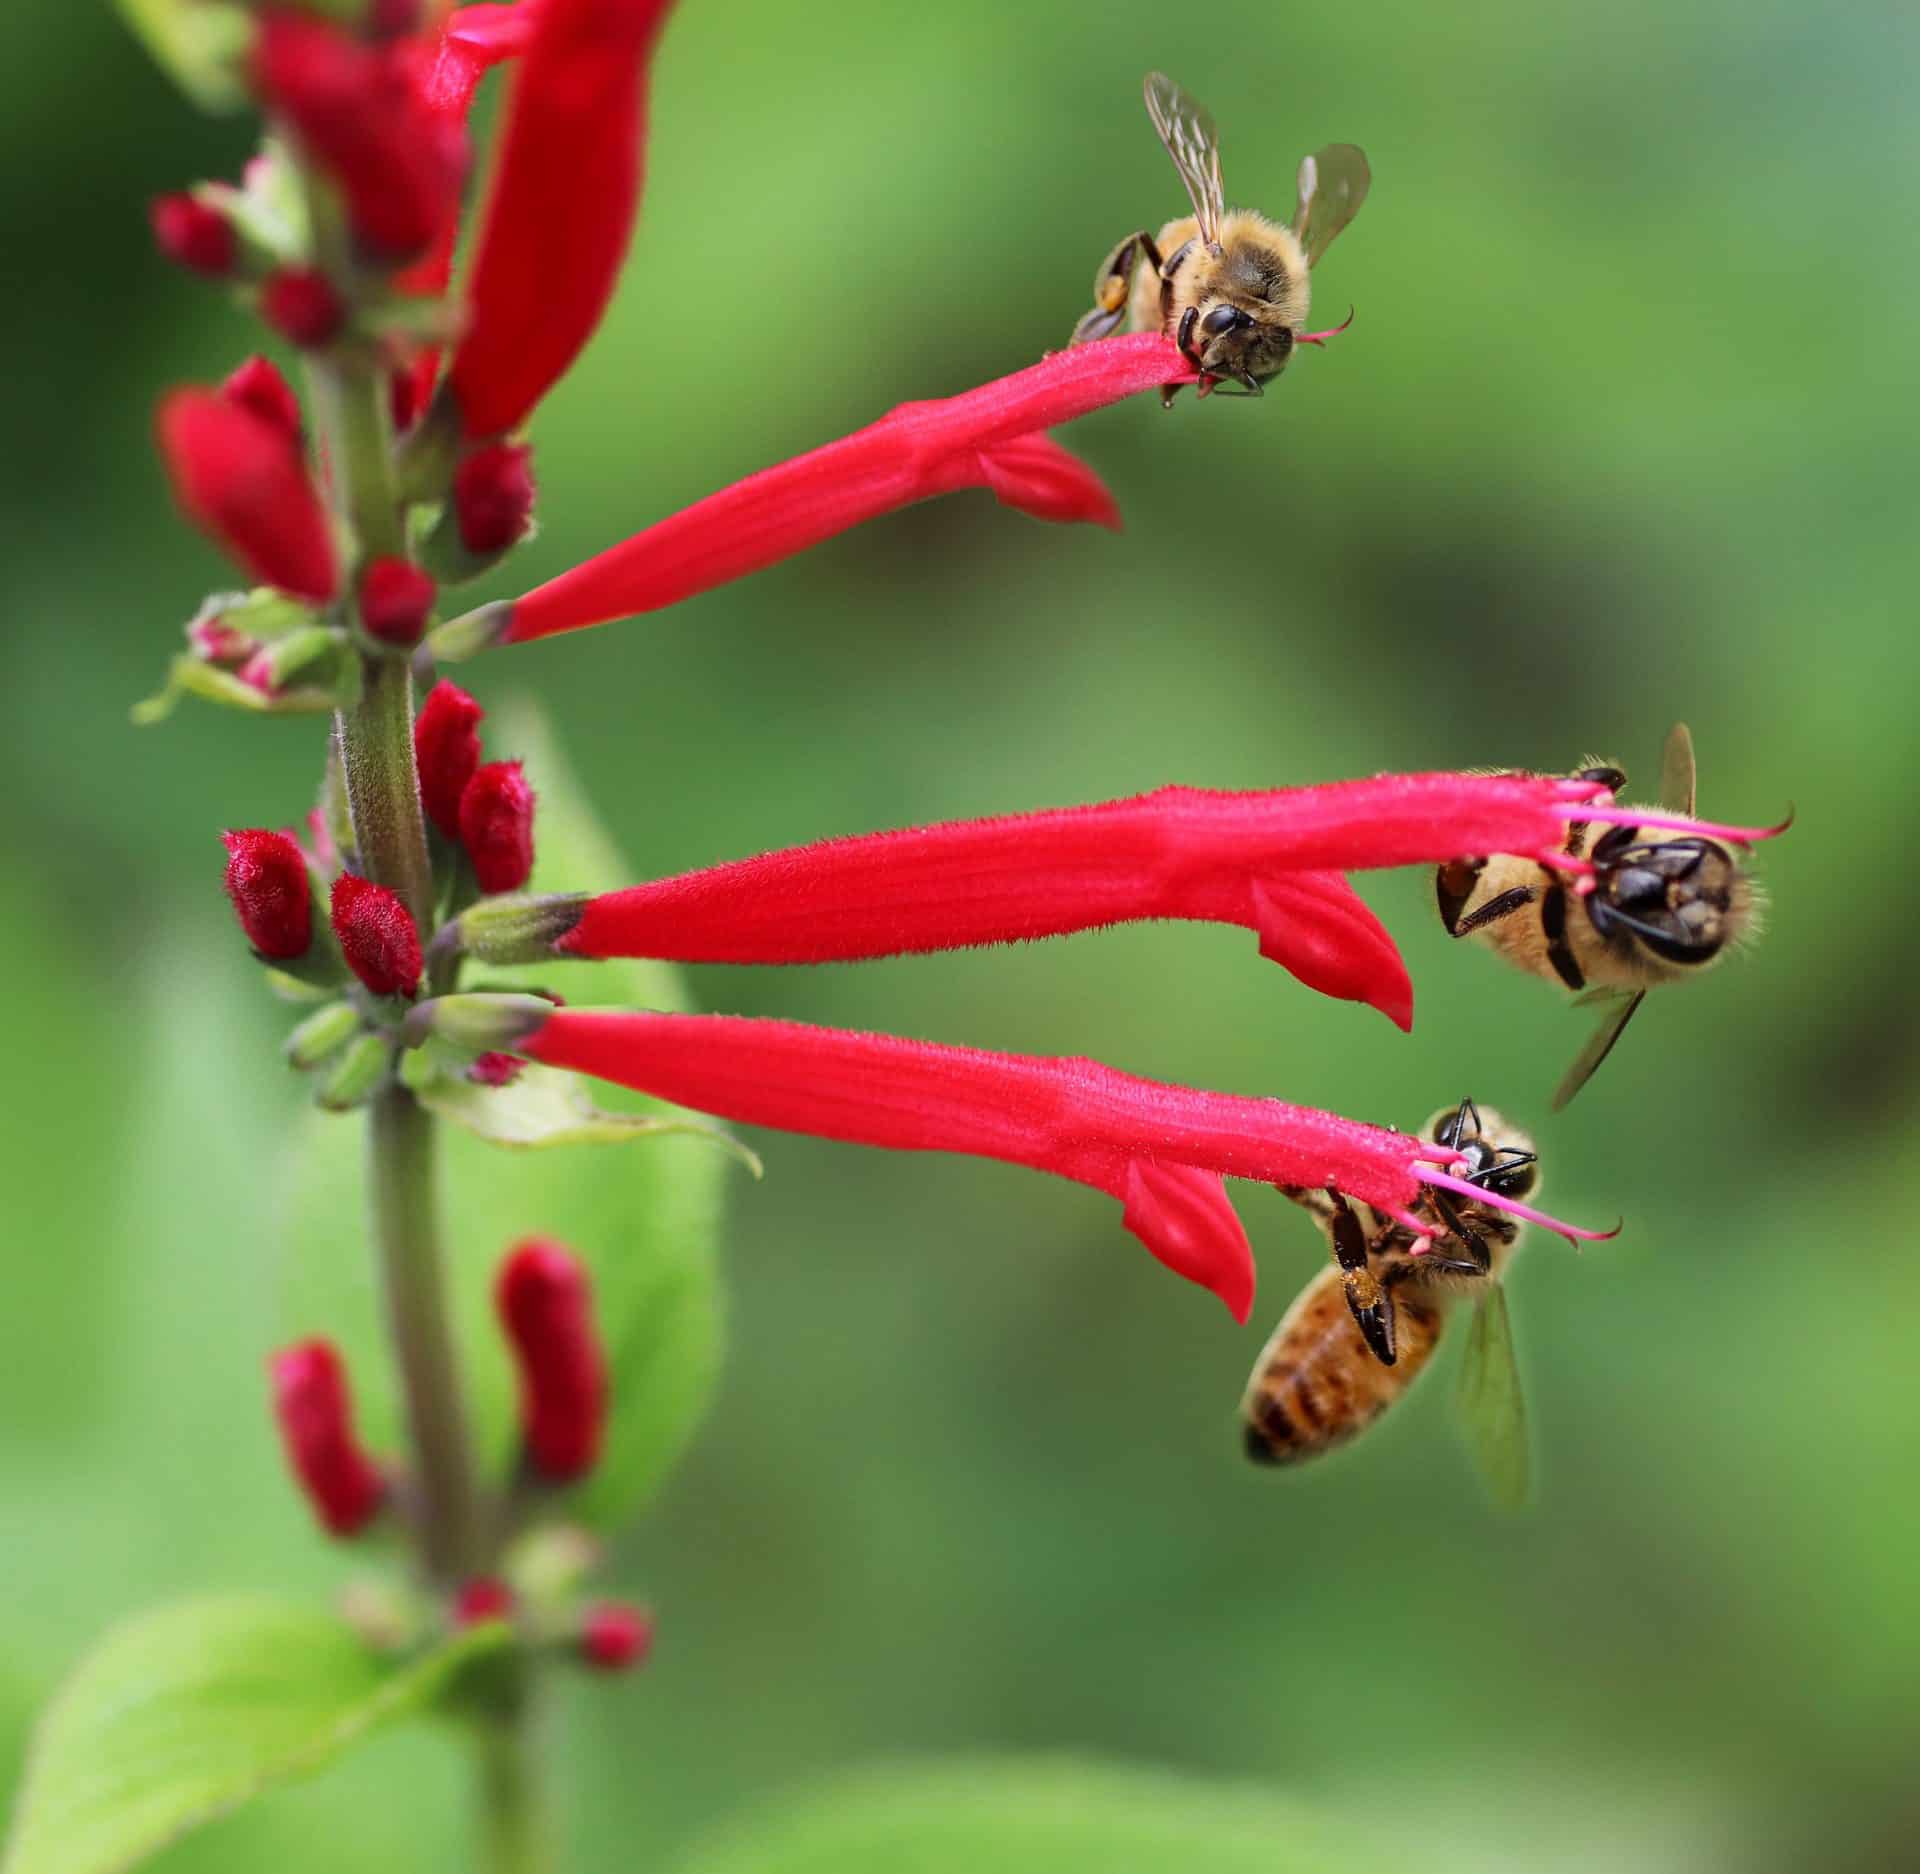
1683 898
1236 343
1500 1157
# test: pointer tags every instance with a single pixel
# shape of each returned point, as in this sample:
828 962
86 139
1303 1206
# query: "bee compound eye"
1223 319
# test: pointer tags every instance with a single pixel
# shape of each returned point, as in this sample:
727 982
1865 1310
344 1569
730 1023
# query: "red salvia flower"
357 109
271 892
496 826
244 480
484 1598
315 1414
556 224
493 496
615 1635
545 1306
377 936
303 306
257 385
192 235
396 598
446 750
988 437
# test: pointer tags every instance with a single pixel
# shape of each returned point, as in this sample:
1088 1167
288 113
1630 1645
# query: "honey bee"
1229 287
1361 1331
1664 905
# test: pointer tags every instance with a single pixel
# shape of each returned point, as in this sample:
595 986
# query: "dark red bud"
267 881
545 1305
214 641
406 398
377 936
258 386
446 750
302 305
496 826
494 1070
192 235
484 1598
396 598
615 1635
315 1413
493 496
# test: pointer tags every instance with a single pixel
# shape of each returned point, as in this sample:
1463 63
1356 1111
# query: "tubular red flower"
257 385
396 598
984 437
615 1635
496 826
377 936
493 496
358 110
244 481
556 224
192 235
303 306
545 1306
271 892
446 750
315 1414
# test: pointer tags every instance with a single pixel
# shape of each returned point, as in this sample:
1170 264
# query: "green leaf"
644 1220
185 1713
1044 1817
198 44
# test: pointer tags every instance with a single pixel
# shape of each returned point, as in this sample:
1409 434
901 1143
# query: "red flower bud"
496 826
258 386
311 1402
302 305
408 389
395 600
359 111
267 881
214 641
484 1598
557 221
493 496
545 1306
494 1070
244 480
446 750
192 235
615 1635
377 936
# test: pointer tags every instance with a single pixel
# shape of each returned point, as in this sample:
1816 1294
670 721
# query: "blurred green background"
1624 431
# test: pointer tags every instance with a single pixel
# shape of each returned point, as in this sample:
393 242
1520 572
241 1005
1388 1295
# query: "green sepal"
325 1032
478 1023
271 210
201 46
265 614
427 455
187 675
521 929
471 633
358 1076
291 989
448 557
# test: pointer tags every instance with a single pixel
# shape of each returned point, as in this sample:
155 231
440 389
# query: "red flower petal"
244 480
985 437
496 826
396 598
446 750
192 235
556 225
271 892
315 1415
545 1304
257 385
377 936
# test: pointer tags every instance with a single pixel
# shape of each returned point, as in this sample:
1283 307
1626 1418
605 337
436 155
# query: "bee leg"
1171 265
1112 284
1469 1239
1252 383
1505 905
1369 1302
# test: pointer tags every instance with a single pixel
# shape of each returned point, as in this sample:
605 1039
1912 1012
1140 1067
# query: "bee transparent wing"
1677 771
1333 184
1493 1415
1620 1004
1193 141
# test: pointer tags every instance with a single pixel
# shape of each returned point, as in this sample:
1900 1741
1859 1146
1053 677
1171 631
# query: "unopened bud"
357 1076
396 599
545 1305
303 306
446 750
518 930
192 235
258 386
214 641
496 826
477 1022
615 1635
493 496
324 1032
272 893
315 1414
377 936
495 1070
311 655
484 1598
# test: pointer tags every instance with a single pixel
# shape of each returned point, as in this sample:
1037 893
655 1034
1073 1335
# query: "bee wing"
1193 141
1493 1414
1333 184
1676 771
1621 1004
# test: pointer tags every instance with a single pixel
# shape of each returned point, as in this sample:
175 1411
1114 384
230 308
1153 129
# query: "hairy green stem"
518 1835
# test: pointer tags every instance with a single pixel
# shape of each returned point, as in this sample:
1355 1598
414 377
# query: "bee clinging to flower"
1228 286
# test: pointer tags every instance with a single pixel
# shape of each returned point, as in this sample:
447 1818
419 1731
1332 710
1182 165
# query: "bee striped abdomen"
1317 1384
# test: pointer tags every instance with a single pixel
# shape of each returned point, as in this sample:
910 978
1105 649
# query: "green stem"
517 1825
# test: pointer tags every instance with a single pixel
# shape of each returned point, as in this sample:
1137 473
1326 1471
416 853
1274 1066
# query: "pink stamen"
1582 869
1679 823
1493 1200
1320 338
